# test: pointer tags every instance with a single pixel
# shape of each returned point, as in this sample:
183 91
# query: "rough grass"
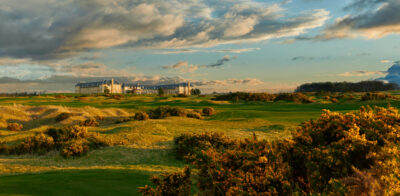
149 142
36 116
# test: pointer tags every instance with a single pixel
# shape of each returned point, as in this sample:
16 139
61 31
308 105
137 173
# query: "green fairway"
147 148
85 182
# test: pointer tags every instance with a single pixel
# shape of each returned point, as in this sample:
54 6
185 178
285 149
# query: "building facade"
105 86
112 86
169 89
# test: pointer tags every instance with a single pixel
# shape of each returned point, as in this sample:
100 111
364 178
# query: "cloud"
248 81
178 51
393 73
184 67
373 19
309 58
13 61
237 50
385 61
362 73
302 58
198 50
220 62
63 28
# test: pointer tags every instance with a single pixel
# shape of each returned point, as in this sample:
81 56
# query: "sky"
217 45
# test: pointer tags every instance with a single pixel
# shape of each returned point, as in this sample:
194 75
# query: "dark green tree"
161 92
106 90
195 91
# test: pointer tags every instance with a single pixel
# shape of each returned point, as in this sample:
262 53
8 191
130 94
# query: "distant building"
113 86
104 86
169 89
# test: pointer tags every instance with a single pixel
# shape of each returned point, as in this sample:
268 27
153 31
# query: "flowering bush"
331 146
189 145
141 116
75 148
70 140
337 154
39 143
64 134
91 122
14 127
178 184
209 111
166 111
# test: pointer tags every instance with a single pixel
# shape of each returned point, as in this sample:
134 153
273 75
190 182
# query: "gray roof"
95 84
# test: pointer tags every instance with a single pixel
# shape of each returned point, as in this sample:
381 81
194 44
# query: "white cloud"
60 29
361 73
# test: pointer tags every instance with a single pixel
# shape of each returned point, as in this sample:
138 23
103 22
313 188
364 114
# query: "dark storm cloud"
393 73
379 19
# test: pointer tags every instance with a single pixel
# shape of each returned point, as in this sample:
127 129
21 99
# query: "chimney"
112 85
189 92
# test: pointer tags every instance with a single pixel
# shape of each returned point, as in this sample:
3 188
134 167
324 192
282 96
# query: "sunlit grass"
149 143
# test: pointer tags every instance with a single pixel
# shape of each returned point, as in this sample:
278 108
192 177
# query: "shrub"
209 111
4 149
188 145
194 114
331 146
336 154
251 167
75 148
67 133
14 127
83 98
334 100
265 97
63 116
293 97
141 116
181 95
91 122
166 111
70 140
60 97
178 184
39 143
375 96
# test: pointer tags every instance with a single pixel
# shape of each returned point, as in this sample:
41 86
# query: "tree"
106 90
195 92
161 92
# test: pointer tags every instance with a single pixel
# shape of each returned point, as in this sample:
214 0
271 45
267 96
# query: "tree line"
363 86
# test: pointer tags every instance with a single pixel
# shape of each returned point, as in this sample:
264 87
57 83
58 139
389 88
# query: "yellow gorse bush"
337 154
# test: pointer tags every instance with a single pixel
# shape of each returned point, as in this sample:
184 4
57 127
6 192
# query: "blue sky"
226 45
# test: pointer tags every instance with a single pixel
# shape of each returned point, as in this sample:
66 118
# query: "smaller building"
105 86
169 89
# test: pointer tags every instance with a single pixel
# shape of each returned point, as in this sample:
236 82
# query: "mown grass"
119 170
75 182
